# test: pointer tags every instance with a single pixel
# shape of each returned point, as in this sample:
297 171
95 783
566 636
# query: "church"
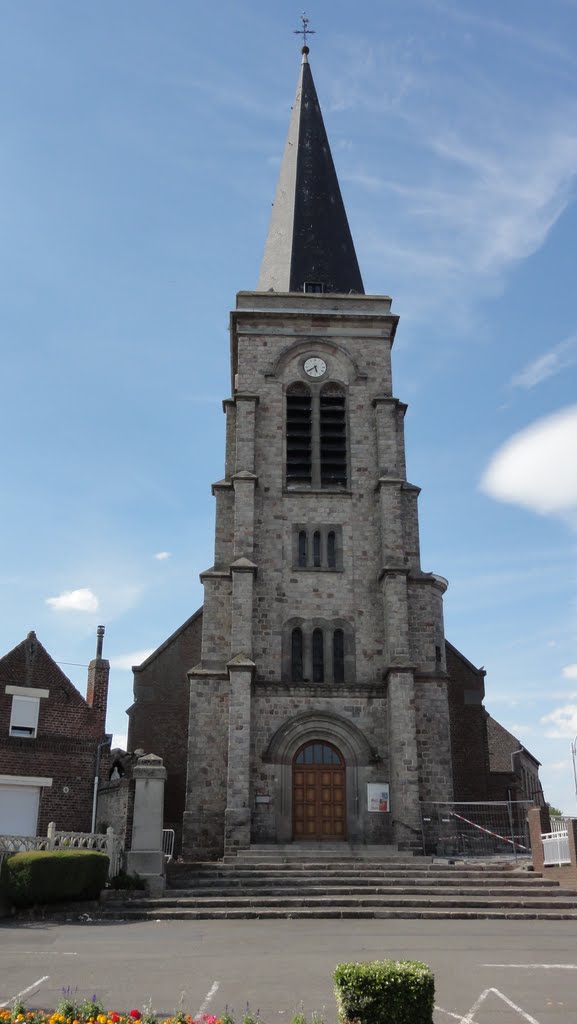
314 697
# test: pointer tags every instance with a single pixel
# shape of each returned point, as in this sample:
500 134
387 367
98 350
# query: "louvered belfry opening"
299 435
333 438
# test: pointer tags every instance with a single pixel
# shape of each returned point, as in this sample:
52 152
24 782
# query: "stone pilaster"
237 826
229 408
389 415
224 523
245 432
243 574
244 488
216 618
403 757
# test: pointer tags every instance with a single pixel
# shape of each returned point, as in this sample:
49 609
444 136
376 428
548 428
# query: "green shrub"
385 992
48 876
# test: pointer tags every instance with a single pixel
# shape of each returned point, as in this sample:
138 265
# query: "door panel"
319 793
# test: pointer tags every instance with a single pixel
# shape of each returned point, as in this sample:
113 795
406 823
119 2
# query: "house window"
314 287
316 436
24 717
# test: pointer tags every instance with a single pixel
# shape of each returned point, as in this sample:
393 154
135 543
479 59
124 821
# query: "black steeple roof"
309 241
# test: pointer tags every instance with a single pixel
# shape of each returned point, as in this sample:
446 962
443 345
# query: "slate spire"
309 243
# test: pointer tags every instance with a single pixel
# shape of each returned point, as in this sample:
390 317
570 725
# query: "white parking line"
469 1017
537 967
25 991
208 997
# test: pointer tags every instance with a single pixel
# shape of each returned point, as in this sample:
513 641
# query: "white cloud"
124 662
561 723
119 739
537 467
161 556
81 600
558 358
521 730
569 672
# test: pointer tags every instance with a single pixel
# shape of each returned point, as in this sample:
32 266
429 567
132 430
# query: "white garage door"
19 810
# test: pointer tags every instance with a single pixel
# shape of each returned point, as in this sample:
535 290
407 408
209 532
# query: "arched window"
299 435
316 436
331 550
303 546
318 752
317 549
318 656
297 655
338 656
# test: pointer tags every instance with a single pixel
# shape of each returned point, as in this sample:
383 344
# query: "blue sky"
141 144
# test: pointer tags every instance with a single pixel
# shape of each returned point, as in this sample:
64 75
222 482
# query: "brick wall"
158 718
68 733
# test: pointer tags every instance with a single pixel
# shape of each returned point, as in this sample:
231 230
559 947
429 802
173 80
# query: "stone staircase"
320 881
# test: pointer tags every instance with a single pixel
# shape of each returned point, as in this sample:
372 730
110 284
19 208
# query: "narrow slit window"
317 549
303 546
299 436
318 656
333 440
339 656
297 655
331 550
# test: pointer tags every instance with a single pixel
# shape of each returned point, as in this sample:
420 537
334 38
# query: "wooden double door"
319 792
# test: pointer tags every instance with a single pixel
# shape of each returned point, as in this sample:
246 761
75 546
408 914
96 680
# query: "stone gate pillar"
146 857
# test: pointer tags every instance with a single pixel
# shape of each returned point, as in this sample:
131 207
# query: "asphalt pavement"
486 972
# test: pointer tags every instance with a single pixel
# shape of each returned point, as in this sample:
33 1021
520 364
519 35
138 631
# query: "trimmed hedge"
385 992
49 876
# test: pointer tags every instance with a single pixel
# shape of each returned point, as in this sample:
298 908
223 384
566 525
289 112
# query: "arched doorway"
318 791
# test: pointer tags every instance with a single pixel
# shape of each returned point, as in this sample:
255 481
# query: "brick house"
52 741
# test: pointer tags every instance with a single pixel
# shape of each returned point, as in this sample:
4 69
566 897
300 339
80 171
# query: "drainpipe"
103 743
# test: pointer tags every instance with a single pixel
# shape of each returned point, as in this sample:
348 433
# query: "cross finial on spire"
305 30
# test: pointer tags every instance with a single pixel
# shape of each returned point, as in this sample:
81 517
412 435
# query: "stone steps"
333 887
233 891
403 913
388 900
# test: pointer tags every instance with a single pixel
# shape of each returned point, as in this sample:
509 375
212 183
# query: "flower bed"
70 1011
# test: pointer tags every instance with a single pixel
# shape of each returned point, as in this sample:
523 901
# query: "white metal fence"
107 842
556 842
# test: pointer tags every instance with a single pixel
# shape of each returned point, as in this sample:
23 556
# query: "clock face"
315 366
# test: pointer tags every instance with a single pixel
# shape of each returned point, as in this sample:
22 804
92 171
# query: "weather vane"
305 30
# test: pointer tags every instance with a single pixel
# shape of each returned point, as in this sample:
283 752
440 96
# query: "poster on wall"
378 797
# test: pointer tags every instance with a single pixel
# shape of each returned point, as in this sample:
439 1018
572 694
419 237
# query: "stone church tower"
322 665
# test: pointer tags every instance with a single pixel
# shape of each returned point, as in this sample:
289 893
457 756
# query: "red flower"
114 1017
135 1014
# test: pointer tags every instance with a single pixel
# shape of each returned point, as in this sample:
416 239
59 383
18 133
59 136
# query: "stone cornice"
240 663
222 485
394 570
243 564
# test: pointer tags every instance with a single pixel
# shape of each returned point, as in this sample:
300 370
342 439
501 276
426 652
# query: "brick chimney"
97 689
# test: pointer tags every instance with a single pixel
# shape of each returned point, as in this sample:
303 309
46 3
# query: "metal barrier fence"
491 829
